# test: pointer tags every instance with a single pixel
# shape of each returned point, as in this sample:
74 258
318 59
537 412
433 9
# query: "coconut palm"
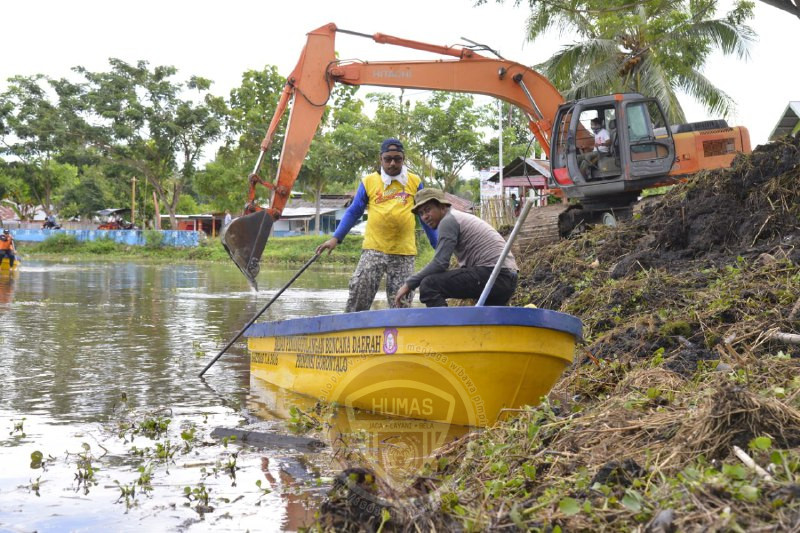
656 48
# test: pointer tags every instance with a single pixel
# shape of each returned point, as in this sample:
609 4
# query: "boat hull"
452 365
5 266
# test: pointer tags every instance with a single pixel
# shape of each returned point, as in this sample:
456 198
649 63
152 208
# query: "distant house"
789 123
298 217
460 204
7 214
32 214
209 223
523 174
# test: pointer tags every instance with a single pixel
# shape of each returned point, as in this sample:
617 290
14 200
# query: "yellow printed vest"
390 224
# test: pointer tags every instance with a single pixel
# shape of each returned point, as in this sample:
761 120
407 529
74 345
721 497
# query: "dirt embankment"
682 410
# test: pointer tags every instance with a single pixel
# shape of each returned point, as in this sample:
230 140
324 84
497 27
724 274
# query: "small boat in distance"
5 266
457 365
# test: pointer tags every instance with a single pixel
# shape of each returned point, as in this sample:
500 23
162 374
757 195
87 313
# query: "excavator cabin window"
644 118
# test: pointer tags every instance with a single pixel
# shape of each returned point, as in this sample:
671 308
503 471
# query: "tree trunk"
172 206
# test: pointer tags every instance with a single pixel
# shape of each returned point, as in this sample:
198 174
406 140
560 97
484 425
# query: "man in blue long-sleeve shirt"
389 243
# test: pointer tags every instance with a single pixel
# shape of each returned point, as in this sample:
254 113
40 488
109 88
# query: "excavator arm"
309 86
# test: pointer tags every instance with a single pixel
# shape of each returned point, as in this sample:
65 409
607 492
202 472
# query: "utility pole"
133 200
500 155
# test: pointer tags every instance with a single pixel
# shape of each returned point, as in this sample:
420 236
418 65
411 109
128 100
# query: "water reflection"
396 449
8 279
86 346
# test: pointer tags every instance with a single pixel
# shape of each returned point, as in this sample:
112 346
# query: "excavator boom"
309 86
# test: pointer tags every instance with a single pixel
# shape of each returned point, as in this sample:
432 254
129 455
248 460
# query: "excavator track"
540 228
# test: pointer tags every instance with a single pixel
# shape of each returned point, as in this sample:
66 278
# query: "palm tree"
655 48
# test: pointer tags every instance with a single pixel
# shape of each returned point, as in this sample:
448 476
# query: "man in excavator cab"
602 142
389 246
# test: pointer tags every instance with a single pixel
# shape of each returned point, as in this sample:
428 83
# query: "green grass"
278 251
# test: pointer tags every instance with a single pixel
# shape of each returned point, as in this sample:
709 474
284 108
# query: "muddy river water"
104 423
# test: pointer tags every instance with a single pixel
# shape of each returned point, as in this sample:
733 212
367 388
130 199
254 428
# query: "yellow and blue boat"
456 365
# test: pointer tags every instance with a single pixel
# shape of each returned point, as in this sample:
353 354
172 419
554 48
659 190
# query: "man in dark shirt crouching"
477 247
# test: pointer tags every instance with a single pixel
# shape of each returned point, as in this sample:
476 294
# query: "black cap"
392 145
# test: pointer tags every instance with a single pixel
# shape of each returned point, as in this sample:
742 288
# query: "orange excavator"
644 150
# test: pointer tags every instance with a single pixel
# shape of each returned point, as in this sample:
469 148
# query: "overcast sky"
221 40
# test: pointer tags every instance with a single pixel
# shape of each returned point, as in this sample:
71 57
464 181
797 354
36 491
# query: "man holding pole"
390 242
477 247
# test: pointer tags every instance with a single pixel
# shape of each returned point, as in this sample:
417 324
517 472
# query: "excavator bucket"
244 240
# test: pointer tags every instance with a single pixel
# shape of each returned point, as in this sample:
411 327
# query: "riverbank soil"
682 409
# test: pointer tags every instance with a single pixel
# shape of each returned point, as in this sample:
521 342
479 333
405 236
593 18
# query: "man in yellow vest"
389 243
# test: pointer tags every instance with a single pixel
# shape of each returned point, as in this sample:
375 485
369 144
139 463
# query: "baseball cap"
392 145
424 196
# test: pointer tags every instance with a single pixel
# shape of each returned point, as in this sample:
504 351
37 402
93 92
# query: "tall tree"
90 194
448 130
442 134
518 141
655 47
40 119
153 125
16 194
223 182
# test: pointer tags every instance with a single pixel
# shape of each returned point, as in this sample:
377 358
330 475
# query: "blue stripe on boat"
421 317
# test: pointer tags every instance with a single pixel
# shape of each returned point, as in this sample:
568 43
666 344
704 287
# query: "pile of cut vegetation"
682 410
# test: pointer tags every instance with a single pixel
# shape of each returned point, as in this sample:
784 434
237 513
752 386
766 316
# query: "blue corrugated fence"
129 237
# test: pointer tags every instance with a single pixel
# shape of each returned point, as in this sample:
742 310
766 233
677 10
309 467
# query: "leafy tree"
656 48
92 193
518 141
223 182
14 180
442 134
447 130
187 205
393 117
152 126
39 120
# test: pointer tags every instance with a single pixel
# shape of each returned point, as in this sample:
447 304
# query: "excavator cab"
605 170
639 151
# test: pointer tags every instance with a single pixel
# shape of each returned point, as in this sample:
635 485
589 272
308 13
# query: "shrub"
153 239
100 247
60 242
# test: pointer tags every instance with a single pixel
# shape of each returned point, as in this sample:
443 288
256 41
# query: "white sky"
220 40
